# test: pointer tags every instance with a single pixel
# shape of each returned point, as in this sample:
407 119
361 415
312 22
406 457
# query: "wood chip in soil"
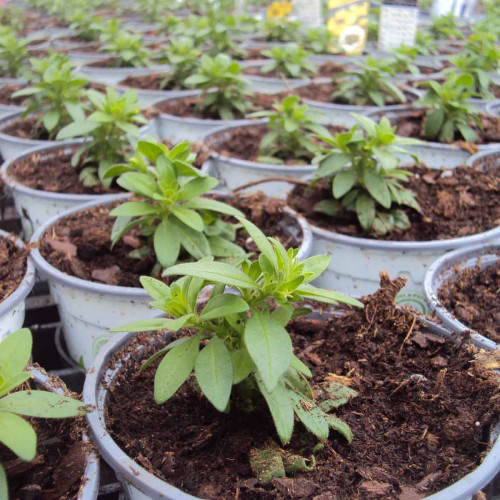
56 472
12 266
473 297
420 422
455 202
79 245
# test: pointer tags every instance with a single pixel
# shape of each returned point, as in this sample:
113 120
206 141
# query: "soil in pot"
190 107
79 244
420 421
323 92
455 202
12 266
244 142
326 69
27 128
54 173
473 297
58 468
6 92
412 125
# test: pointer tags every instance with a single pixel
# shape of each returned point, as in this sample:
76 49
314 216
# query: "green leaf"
340 426
163 351
50 119
269 346
138 183
223 304
41 404
214 373
153 324
194 242
133 209
311 416
332 164
14 381
315 266
155 288
76 129
220 247
242 365
281 408
433 122
343 182
260 239
167 243
467 132
4 490
175 368
196 187
219 272
15 352
298 365
327 296
328 207
18 435
365 210
189 217
213 205
282 314
377 187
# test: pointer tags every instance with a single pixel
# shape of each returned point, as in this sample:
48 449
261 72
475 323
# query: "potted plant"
282 147
231 389
461 289
126 237
445 114
60 442
18 278
362 213
50 180
13 54
365 88
53 93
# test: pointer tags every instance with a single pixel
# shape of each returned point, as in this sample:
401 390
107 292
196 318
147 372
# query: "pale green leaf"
18 435
222 305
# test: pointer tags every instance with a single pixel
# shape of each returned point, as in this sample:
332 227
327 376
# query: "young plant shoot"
172 214
239 341
289 60
363 168
15 432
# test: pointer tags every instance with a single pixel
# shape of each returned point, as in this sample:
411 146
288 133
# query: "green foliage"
56 92
13 54
291 126
290 60
448 110
363 168
172 214
404 60
319 40
248 346
368 85
183 58
425 44
15 432
109 30
282 30
11 17
87 27
224 89
127 51
153 10
445 27
112 121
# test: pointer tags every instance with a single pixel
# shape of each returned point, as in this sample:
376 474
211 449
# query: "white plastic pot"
179 128
139 484
493 108
12 309
8 109
444 270
234 172
89 488
88 310
433 154
111 76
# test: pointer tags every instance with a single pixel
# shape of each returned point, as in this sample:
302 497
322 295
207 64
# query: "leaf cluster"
13 54
87 27
15 432
404 60
239 341
319 40
445 27
362 165
183 58
291 60
282 30
172 212
225 91
127 50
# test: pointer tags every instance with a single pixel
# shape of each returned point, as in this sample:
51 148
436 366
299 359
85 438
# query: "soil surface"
473 296
455 202
57 470
150 82
53 173
79 245
420 421
26 128
244 143
412 125
191 106
323 92
324 70
6 92
13 266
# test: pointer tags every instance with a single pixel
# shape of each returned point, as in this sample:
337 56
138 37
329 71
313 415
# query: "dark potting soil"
6 92
473 297
323 92
325 70
53 173
420 422
26 128
12 266
56 472
80 244
412 125
244 142
191 106
455 202
150 82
